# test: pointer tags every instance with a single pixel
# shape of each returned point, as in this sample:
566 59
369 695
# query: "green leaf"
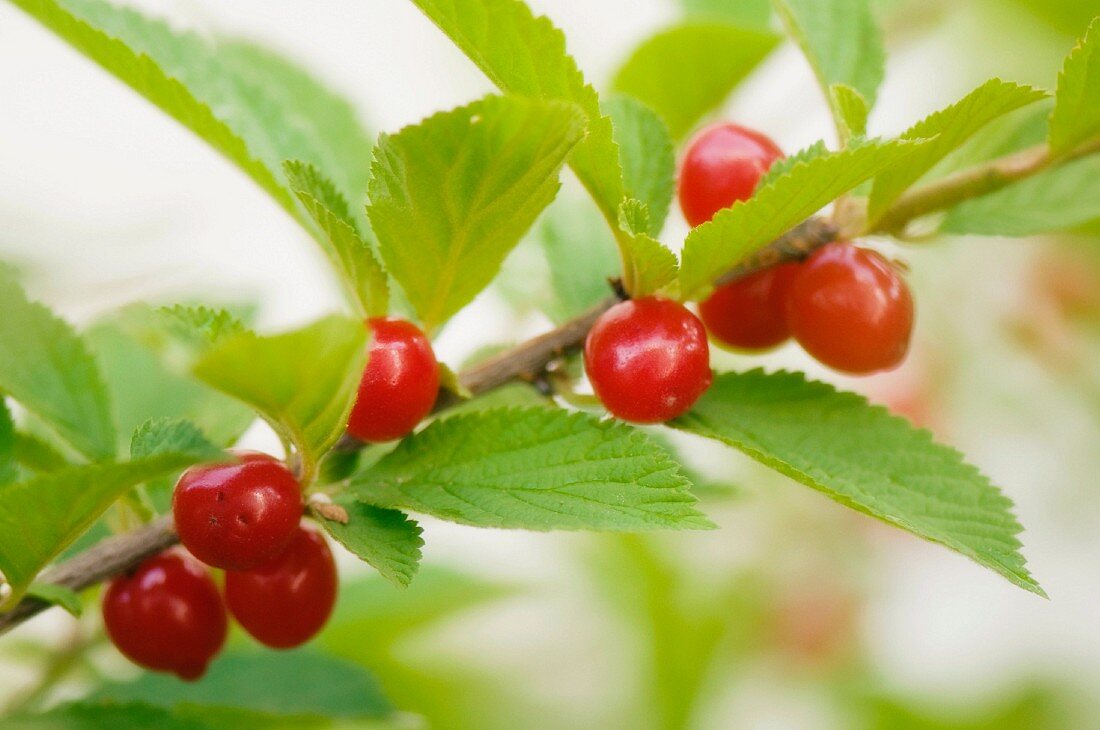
1076 115
145 355
206 324
384 538
946 130
171 435
525 54
649 163
296 682
536 469
353 258
652 264
56 595
783 165
41 516
866 459
36 454
714 247
451 196
843 44
580 255
47 367
851 111
688 70
1057 199
8 464
303 382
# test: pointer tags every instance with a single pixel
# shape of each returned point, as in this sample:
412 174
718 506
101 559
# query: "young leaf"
525 54
686 71
652 264
206 324
851 111
56 595
866 459
47 367
384 538
143 354
344 244
451 196
41 516
171 435
842 42
649 163
535 469
811 184
1076 115
783 165
944 131
1057 199
303 382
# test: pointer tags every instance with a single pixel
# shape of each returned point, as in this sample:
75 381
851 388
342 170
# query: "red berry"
648 359
286 601
750 313
166 615
399 384
722 165
237 516
850 309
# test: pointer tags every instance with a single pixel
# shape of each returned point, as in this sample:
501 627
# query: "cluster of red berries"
648 359
245 518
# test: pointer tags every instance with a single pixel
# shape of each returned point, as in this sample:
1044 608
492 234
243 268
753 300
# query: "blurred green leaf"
8 466
57 596
48 368
843 44
144 355
866 459
533 468
309 379
581 259
451 196
688 70
40 517
296 682
384 538
944 131
35 454
1057 199
746 13
649 163
360 271
714 247
1076 116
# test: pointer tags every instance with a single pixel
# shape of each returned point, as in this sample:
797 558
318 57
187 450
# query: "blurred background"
796 614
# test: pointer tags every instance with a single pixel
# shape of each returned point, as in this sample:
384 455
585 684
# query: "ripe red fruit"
286 601
722 165
166 615
648 359
850 309
750 313
399 384
237 516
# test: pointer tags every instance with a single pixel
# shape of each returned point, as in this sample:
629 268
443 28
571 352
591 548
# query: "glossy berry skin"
750 313
399 385
237 516
722 165
166 615
850 309
286 601
648 359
